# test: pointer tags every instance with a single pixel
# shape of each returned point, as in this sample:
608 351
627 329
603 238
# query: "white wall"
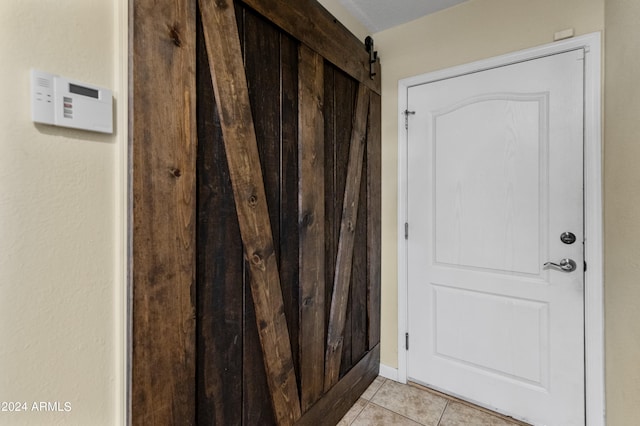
61 269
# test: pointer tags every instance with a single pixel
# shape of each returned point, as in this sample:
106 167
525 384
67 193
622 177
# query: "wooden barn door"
256 214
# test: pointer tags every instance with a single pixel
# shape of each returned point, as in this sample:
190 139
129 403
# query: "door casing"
594 284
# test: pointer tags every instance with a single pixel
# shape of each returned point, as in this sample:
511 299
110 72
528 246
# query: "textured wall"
61 283
622 211
336 8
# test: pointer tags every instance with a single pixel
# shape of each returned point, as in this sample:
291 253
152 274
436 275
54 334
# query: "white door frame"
594 284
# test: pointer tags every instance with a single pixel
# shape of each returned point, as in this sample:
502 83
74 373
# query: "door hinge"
407 113
406 340
406 231
585 266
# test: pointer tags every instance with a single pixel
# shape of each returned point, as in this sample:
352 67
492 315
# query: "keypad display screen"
84 91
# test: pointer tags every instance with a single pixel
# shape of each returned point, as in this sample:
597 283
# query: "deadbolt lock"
568 237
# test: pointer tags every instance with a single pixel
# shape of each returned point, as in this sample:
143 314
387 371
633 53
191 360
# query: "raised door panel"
486 322
495 177
490 190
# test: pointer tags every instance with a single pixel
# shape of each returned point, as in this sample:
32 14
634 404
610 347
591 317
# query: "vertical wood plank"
220 266
345 93
164 176
374 209
311 211
261 46
344 258
256 409
231 92
262 68
345 357
359 286
289 216
331 238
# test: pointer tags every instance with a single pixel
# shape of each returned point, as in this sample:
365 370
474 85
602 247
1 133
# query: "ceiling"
378 15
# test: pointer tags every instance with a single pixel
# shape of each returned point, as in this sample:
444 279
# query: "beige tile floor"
386 403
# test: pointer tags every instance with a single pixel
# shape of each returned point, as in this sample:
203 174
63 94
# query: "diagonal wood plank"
232 97
311 211
344 258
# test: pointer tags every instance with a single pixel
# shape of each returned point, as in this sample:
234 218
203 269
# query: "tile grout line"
359 413
384 380
475 407
446 405
399 414
419 422
448 399
377 390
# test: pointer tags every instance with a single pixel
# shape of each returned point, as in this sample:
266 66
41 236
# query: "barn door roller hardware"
373 56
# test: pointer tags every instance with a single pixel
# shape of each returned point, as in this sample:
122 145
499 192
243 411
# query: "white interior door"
495 177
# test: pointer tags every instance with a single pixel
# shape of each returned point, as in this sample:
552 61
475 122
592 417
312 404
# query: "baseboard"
335 403
389 372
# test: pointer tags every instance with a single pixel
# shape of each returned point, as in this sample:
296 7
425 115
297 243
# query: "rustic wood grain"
262 68
207 346
345 352
220 268
340 398
374 210
257 408
289 188
311 202
164 206
339 102
331 237
271 59
313 25
260 44
359 288
345 93
231 92
335 335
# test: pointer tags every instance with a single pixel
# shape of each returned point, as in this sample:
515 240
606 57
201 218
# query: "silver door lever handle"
566 265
